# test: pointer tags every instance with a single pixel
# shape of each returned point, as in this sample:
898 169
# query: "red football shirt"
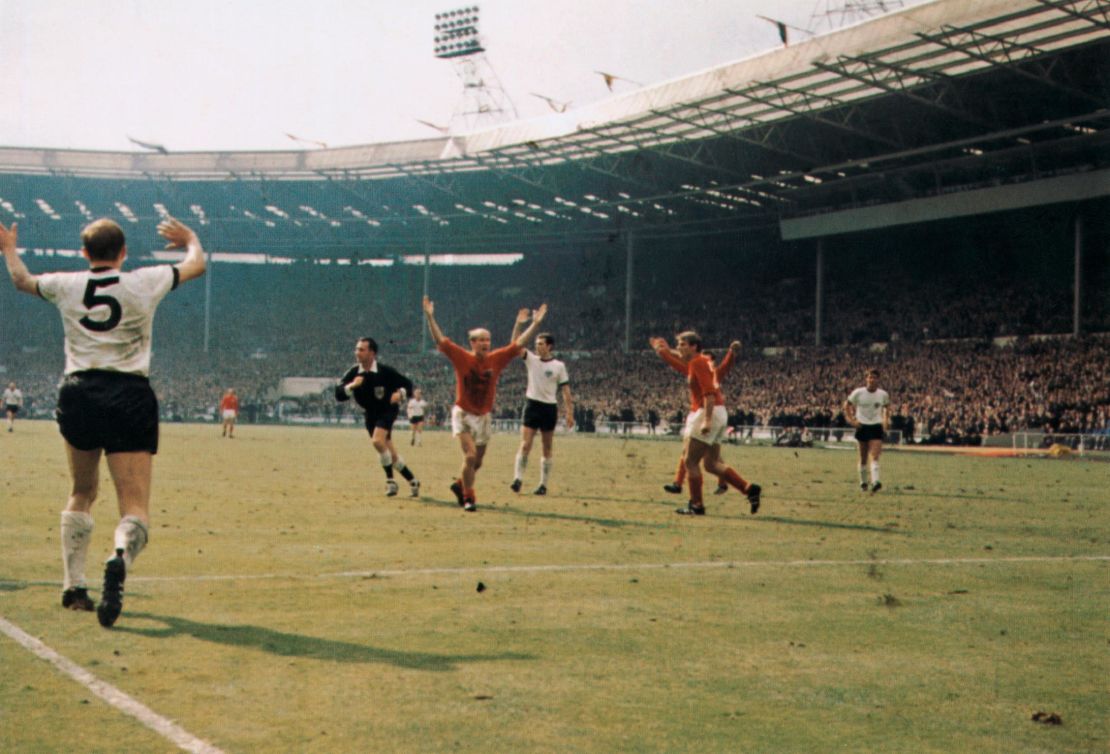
476 378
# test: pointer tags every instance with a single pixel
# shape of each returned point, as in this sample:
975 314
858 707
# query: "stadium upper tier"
938 98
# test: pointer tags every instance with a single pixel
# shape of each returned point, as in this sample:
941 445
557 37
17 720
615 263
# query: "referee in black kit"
381 391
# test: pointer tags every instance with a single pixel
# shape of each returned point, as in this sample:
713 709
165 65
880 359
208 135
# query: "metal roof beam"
819 115
1089 9
905 82
987 48
770 141
672 150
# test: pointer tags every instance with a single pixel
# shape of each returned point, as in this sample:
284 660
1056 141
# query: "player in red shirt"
705 424
720 371
229 412
476 375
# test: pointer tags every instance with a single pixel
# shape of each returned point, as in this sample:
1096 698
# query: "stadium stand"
900 193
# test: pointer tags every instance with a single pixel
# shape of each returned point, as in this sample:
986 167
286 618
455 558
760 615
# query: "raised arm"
433 327
181 236
21 276
518 325
729 360
669 355
537 318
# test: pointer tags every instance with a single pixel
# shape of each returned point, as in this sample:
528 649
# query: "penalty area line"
168 729
599 567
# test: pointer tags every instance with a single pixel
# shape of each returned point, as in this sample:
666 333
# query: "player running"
720 371
380 390
705 424
476 375
105 403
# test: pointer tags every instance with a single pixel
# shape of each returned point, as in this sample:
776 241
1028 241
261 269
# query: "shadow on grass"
13 586
830 525
510 510
297 645
963 495
617 522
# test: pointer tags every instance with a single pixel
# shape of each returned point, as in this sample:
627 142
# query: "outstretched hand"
523 315
9 237
735 347
539 314
176 233
429 306
657 343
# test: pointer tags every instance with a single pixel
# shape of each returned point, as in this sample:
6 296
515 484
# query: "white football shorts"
718 426
478 427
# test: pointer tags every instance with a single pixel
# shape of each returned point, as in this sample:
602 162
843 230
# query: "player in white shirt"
105 403
547 377
415 410
868 410
13 401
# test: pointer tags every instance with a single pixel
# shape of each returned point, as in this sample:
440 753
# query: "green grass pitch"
284 603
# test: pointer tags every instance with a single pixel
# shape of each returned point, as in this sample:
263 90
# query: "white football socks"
76 531
131 537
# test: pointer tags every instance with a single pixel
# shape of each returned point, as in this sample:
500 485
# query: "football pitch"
285 604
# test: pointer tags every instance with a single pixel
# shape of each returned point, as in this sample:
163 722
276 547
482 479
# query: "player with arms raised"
720 371
476 375
105 403
705 424
547 377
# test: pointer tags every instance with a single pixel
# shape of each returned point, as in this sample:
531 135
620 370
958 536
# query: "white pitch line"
109 693
571 568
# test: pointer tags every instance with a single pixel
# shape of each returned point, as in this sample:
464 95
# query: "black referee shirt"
376 388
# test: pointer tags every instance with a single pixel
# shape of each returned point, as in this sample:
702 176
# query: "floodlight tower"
833 14
484 101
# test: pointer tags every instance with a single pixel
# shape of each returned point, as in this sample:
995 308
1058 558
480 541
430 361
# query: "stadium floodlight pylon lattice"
484 101
834 14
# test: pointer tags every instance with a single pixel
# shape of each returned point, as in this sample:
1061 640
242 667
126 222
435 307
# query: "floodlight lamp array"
456 33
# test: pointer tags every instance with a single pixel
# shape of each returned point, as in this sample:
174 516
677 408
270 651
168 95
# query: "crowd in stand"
953 392
930 333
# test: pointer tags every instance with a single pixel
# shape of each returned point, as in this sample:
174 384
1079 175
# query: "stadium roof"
939 98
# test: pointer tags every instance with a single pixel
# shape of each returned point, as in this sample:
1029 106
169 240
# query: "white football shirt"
544 378
869 406
107 315
416 407
13 397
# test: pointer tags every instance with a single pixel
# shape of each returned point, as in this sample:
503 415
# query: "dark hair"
690 337
873 372
103 240
547 338
370 343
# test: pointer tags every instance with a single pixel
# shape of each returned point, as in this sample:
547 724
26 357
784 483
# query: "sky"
244 74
